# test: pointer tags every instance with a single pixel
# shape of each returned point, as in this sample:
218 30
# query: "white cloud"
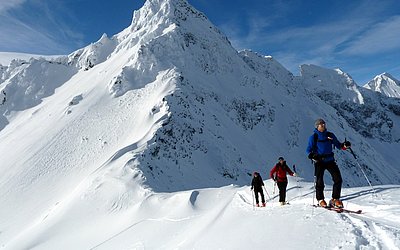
382 37
293 46
37 30
20 37
10 4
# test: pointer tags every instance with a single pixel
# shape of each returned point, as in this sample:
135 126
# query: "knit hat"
318 122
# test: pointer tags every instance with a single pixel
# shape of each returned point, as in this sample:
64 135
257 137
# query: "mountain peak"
386 84
386 76
157 12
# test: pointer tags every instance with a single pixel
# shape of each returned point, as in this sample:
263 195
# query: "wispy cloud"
34 28
21 37
333 39
381 37
293 46
10 4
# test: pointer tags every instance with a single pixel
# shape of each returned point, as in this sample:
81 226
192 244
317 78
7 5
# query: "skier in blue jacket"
320 150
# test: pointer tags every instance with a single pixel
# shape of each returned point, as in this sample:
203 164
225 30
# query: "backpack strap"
314 149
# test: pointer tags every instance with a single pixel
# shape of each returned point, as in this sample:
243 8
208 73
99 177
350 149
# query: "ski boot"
336 203
322 203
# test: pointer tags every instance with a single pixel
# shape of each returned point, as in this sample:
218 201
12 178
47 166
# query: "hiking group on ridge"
320 150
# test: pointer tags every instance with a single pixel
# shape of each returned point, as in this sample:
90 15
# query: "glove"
314 157
295 175
251 188
345 145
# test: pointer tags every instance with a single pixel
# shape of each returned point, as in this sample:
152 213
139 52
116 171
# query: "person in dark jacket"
257 184
278 174
320 150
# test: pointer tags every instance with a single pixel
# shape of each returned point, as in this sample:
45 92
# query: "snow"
385 84
216 218
7 57
146 139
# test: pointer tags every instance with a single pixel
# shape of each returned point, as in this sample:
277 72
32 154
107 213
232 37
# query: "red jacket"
280 171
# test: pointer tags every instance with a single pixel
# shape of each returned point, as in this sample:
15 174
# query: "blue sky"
361 37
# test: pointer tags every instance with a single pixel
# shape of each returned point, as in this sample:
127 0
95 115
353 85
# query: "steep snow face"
385 84
165 35
320 80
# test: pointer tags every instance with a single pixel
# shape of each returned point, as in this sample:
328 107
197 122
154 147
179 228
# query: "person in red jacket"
278 174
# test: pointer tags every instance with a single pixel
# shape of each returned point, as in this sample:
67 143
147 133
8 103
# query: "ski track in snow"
372 234
369 233
200 214
199 219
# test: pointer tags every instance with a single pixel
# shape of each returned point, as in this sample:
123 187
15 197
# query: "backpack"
328 134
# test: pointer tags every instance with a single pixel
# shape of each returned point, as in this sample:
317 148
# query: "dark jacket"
280 170
257 182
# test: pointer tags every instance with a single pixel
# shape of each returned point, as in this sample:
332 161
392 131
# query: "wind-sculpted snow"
24 84
93 54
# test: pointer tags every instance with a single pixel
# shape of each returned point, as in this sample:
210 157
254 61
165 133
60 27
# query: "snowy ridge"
153 126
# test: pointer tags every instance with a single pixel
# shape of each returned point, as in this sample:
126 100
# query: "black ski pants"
259 190
333 169
282 185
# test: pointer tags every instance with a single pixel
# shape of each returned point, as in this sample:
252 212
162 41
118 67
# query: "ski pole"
269 197
362 170
274 187
315 184
253 198
297 180
315 190
315 187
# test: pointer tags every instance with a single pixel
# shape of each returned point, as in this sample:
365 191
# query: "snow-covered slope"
96 142
385 84
219 218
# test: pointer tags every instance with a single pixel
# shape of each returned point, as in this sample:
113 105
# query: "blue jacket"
324 145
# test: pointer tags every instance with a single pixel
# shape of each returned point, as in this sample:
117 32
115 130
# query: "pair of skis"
340 210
